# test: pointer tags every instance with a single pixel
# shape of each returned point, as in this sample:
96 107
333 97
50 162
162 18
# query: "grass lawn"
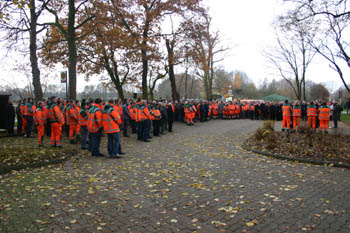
345 117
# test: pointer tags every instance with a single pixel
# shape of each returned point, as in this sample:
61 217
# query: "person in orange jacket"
40 120
24 121
72 120
29 110
231 110
95 127
111 122
188 113
56 121
286 112
156 121
77 108
132 110
296 115
143 118
311 116
237 113
324 115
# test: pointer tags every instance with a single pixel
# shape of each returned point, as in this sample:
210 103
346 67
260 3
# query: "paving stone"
164 185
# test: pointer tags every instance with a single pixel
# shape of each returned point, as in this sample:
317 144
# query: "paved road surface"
196 179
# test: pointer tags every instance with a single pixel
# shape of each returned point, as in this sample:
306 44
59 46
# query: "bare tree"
22 20
204 47
293 54
331 41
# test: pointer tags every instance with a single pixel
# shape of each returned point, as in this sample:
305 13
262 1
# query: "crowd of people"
87 120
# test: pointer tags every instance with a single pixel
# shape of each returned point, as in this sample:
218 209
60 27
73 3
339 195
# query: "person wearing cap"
40 120
95 127
324 115
287 112
56 120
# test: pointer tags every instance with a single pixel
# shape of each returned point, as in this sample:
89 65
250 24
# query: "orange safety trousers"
324 125
41 131
286 122
77 130
296 122
189 117
311 121
24 124
56 131
72 130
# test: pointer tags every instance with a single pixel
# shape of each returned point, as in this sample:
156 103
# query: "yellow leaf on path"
250 224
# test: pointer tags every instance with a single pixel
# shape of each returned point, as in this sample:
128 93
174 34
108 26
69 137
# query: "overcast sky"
245 26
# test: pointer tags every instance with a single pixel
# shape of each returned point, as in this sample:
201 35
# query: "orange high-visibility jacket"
311 111
111 121
142 113
296 111
156 114
286 110
83 117
324 112
39 117
132 111
21 109
95 119
71 115
231 107
29 109
55 114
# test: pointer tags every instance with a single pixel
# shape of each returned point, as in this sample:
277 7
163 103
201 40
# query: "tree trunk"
206 84
119 89
115 79
145 60
170 49
151 95
38 92
191 88
72 51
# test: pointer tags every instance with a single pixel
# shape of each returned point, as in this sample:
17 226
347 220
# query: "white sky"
245 26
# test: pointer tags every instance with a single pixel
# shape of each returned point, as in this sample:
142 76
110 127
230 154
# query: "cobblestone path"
196 179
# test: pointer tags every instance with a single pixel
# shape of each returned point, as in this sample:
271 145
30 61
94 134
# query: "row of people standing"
318 114
92 118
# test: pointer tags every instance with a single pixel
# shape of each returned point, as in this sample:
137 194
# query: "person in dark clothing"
28 115
279 112
11 113
337 109
263 111
171 116
256 111
126 117
202 112
206 111
221 109
164 118
182 112
19 119
347 105
303 111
